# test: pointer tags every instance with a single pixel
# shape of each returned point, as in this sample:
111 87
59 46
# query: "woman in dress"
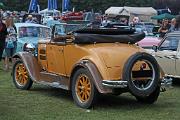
10 44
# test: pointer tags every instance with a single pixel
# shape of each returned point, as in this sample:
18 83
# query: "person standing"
173 23
177 26
3 33
10 43
29 19
164 28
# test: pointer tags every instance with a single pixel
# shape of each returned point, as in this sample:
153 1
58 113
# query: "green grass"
45 103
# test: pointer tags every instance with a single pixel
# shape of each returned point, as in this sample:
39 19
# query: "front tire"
20 76
84 91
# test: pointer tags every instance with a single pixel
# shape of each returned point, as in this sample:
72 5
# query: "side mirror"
155 48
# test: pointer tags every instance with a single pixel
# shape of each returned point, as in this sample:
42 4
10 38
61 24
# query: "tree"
97 5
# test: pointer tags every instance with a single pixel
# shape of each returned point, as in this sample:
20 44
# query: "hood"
149 41
115 55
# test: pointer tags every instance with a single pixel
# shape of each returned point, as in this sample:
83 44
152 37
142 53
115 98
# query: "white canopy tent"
48 15
114 11
47 12
144 13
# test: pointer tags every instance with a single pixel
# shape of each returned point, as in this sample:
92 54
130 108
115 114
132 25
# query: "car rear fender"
95 74
30 63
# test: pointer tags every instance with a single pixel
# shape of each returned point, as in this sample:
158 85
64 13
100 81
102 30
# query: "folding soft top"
90 36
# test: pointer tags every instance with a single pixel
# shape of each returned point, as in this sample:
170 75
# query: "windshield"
170 43
68 28
146 27
34 31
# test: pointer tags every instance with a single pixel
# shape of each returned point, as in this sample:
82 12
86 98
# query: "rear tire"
20 76
83 89
149 99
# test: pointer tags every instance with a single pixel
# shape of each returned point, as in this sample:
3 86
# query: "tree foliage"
96 5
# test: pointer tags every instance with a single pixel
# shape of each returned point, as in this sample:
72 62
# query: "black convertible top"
90 36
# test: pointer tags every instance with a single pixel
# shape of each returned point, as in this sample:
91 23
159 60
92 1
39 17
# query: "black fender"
30 63
95 74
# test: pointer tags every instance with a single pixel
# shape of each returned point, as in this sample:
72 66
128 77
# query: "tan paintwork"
57 60
109 58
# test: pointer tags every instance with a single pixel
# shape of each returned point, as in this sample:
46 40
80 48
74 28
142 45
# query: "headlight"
28 47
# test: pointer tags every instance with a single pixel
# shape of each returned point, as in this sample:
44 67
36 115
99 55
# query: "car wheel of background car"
151 98
84 91
21 78
142 73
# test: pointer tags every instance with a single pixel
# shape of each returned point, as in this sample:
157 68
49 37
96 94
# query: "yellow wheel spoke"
88 93
84 80
85 96
80 81
79 87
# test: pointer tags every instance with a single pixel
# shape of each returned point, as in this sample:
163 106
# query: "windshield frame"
65 26
39 34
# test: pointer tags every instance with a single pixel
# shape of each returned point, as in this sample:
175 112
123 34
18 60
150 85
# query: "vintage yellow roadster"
89 62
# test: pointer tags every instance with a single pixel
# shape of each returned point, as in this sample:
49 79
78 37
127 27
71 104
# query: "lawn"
45 103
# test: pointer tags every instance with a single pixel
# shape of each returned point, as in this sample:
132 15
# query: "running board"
54 80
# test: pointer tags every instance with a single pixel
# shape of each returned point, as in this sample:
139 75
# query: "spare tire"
149 78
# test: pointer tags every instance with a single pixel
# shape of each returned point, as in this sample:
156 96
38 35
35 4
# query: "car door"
167 53
55 52
178 59
55 56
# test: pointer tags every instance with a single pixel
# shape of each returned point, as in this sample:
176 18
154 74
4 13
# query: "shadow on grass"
52 92
126 101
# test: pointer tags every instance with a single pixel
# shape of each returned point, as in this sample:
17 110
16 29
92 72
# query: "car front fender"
30 63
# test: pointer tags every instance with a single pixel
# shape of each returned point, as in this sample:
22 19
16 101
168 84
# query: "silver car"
168 54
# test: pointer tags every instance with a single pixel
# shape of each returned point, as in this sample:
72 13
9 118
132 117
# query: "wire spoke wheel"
84 91
21 74
83 88
21 77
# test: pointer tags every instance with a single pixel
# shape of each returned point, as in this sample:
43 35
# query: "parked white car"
168 54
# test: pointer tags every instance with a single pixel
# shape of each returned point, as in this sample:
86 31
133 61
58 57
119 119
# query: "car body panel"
169 59
166 62
149 41
106 57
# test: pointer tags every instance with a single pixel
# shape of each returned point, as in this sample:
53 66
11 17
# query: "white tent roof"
46 10
131 10
141 10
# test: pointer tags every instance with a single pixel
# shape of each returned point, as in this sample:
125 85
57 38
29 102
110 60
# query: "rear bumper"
166 82
115 84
